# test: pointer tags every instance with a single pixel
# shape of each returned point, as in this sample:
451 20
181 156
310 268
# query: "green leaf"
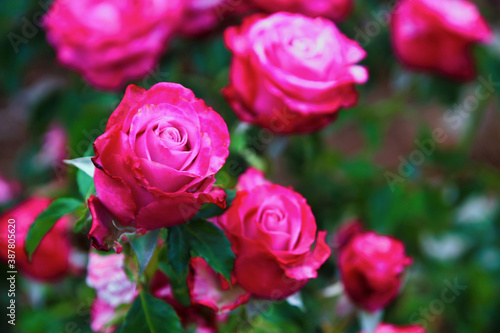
150 314
85 184
144 247
46 220
84 222
178 251
83 163
210 243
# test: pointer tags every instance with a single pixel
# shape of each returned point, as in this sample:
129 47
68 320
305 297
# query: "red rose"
371 266
271 229
156 161
111 42
385 328
51 259
291 73
334 9
437 36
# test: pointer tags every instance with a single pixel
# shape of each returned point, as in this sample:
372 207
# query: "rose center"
273 219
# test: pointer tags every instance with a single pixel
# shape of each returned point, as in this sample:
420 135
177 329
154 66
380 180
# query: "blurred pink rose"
106 274
51 259
371 266
9 190
271 229
111 42
291 73
437 36
336 10
54 147
160 153
201 16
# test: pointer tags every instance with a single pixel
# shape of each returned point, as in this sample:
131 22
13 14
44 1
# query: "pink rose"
371 266
160 153
437 36
51 259
107 276
111 42
385 328
291 73
272 229
201 16
336 10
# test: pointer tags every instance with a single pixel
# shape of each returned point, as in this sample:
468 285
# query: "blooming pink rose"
291 73
111 42
51 259
385 328
156 161
371 266
201 16
107 276
336 10
271 229
437 36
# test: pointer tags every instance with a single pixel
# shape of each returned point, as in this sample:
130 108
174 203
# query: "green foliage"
46 220
150 315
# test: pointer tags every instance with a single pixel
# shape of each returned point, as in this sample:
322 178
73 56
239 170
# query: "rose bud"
54 147
201 16
438 36
156 161
107 276
111 42
291 73
371 266
271 229
51 259
336 10
385 328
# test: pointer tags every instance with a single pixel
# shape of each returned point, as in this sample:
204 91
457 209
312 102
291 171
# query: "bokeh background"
445 208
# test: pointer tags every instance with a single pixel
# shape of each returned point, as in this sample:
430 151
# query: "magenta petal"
205 288
306 269
104 233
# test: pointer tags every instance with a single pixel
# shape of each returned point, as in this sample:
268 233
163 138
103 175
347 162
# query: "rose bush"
111 42
438 36
336 10
371 266
291 73
157 160
51 260
271 229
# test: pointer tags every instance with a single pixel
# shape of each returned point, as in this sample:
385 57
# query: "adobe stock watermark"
31 25
437 306
454 119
